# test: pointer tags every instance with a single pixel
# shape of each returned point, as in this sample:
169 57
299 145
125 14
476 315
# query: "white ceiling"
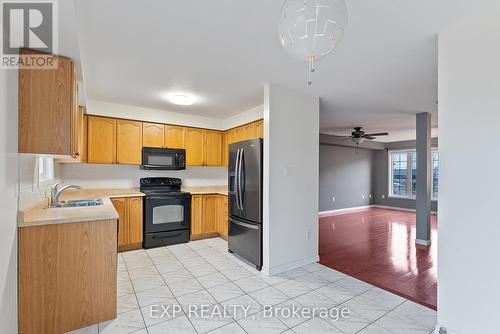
382 73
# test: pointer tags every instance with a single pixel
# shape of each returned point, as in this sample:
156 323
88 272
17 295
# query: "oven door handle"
177 197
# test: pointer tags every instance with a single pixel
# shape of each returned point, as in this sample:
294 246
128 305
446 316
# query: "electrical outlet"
288 171
308 234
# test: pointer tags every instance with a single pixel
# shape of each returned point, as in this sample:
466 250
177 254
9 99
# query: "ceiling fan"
358 136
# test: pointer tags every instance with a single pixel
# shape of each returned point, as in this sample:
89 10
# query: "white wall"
162 116
8 202
244 117
291 164
469 228
124 176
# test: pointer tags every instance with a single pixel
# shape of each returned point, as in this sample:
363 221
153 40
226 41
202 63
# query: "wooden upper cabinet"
210 205
248 131
213 148
135 222
195 148
153 135
48 109
101 140
259 129
85 139
121 208
128 142
196 215
175 136
225 149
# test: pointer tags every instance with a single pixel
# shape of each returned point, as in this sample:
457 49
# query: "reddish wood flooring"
377 246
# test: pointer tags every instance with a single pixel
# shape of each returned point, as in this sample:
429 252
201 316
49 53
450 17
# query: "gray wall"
348 176
345 175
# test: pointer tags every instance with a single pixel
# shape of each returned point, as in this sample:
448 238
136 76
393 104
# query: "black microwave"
163 158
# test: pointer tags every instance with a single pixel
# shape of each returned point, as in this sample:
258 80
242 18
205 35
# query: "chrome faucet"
53 192
58 193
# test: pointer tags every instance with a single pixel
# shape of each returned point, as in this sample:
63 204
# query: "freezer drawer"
245 239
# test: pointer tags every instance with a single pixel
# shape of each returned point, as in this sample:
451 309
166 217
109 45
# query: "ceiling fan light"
358 140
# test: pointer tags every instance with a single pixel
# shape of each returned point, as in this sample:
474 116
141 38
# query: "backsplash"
30 192
126 176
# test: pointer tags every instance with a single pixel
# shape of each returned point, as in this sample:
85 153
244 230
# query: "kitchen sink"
78 203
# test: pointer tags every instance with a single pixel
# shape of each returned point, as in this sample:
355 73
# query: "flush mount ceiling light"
311 29
181 99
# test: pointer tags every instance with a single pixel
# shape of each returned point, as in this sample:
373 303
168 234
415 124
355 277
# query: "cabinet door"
209 214
129 142
153 135
46 108
259 129
195 153
120 205
238 134
196 215
76 120
248 131
135 222
85 139
101 140
225 149
225 216
175 136
213 148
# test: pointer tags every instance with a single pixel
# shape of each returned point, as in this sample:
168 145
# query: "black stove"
167 212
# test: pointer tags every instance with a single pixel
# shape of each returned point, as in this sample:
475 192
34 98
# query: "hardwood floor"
377 246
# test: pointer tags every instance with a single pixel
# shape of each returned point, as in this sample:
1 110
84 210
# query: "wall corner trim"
289 266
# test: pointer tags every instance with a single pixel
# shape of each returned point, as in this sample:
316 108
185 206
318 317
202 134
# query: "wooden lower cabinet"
130 232
67 276
208 216
222 216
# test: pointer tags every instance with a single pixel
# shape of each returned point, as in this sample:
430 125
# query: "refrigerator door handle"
253 227
240 185
236 176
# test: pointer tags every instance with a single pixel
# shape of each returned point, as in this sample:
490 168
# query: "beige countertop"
42 215
220 190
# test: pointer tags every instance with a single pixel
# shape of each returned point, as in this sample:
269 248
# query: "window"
403 173
435 174
45 169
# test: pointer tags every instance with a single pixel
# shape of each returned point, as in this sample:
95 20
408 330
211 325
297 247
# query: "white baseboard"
423 242
448 331
289 266
357 208
333 212
398 208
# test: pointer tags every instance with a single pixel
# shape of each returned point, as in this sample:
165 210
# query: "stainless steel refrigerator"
245 200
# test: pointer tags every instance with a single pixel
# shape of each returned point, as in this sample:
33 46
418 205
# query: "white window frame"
45 170
389 167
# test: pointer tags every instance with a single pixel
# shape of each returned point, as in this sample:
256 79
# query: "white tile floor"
204 273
